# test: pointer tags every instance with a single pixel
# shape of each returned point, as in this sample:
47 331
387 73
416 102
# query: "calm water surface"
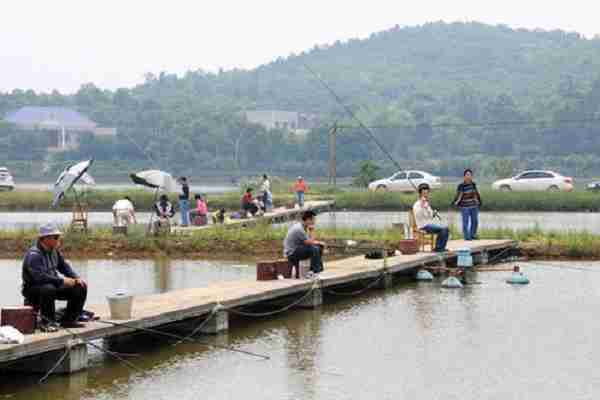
589 222
488 341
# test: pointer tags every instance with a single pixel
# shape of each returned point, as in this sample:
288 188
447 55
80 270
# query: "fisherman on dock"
424 217
299 245
124 212
43 285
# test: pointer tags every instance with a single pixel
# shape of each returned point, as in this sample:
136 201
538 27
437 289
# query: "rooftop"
50 117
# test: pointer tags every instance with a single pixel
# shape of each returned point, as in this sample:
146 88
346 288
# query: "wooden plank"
160 309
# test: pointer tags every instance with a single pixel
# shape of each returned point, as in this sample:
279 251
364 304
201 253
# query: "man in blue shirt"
43 285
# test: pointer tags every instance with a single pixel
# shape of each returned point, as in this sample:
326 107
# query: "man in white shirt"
123 212
424 215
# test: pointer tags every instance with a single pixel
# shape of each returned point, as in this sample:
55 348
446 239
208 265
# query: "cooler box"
408 246
22 318
464 258
266 271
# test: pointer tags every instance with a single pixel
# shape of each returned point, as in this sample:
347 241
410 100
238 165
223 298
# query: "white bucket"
120 306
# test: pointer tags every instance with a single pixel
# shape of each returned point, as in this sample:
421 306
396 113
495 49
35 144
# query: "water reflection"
138 277
371 220
488 341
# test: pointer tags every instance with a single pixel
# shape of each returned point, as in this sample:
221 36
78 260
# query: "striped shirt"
467 196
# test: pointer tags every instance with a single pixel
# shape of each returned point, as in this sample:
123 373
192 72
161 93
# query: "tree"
367 173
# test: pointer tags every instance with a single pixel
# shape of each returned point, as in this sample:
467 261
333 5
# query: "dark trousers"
304 252
251 208
442 234
44 297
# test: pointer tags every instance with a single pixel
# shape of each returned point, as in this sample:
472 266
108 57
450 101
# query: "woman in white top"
424 215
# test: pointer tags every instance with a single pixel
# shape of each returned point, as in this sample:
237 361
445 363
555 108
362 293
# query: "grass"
266 241
102 200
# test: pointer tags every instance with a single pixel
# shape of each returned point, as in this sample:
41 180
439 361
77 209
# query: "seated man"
42 284
124 212
164 211
248 204
298 245
424 215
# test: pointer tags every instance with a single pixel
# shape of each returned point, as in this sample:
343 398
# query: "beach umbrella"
69 177
155 179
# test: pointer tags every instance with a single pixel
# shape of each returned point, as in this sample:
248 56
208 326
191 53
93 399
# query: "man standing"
124 212
468 200
424 219
300 189
42 284
184 201
298 245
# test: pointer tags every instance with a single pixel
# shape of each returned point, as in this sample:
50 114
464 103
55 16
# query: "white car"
405 181
535 181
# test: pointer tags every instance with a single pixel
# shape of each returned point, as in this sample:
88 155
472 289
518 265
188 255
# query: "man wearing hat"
43 285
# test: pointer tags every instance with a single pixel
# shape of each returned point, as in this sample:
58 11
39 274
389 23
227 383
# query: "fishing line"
355 117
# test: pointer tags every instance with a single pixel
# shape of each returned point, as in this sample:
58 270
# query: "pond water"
487 341
369 219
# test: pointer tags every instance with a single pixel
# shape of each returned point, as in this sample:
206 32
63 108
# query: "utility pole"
332 161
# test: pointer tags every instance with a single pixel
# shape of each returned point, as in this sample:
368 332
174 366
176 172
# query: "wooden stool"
80 218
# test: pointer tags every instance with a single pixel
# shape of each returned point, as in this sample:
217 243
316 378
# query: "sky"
62 44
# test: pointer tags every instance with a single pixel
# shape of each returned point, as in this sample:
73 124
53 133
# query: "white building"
63 125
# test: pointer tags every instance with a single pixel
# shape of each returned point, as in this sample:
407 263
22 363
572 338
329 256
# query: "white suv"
535 181
405 181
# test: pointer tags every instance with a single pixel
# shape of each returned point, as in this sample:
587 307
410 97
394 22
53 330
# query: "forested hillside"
442 96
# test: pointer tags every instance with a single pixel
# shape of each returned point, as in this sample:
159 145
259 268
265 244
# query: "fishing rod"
353 115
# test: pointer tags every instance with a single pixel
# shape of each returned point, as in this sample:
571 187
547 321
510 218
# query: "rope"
181 338
359 291
270 313
51 370
200 326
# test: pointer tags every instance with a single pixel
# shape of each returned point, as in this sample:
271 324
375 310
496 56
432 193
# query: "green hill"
446 95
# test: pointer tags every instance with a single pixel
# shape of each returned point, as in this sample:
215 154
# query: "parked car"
405 181
6 180
535 181
593 186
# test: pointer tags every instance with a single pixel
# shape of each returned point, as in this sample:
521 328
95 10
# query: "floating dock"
214 303
279 215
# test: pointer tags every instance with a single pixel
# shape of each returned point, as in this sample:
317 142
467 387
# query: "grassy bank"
265 241
102 200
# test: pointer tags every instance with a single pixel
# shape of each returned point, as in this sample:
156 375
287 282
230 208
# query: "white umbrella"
69 177
155 179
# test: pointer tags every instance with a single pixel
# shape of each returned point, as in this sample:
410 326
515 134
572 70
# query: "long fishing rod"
355 117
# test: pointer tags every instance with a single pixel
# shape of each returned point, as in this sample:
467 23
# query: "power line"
477 124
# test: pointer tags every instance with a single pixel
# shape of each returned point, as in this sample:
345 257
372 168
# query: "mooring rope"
51 370
181 338
359 291
314 286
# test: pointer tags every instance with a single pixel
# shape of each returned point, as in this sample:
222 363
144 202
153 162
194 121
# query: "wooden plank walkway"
160 309
278 215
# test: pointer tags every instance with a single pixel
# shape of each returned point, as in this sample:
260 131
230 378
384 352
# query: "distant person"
469 201
199 215
164 211
424 216
300 188
184 201
266 195
219 217
124 212
48 277
299 244
248 204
